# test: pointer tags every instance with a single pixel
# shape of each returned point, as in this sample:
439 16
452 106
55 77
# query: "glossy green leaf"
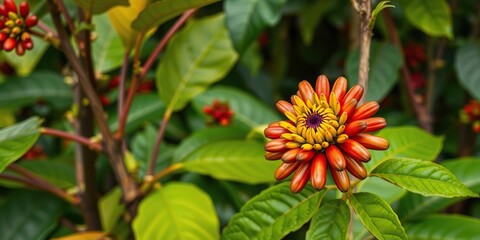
236 160
467 61
29 215
389 192
15 140
189 67
331 221
385 61
247 19
176 211
433 17
407 142
444 227
414 206
111 209
49 86
145 108
108 51
97 7
377 216
248 111
205 136
57 173
423 177
162 11
24 65
122 19
273 213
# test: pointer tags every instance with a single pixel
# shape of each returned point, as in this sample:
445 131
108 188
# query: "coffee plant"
239 119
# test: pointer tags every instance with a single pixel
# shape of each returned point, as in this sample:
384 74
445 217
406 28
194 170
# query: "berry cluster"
471 114
15 25
220 111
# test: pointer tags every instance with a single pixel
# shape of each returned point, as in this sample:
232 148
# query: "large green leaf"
24 65
97 7
377 216
423 177
145 108
236 160
444 227
189 67
205 136
385 61
467 61
57 173
431 16
176 211
407 142
17 139
29 215
414 206
21 91
108 50
111 209
273 213
331 221
247 19
162 11
248 111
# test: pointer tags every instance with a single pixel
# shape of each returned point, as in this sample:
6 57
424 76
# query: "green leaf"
246 19
24 65
385 61
162 11
423 177
330 221
205 136
377 216
414 206
390 193
111 209
29 215
122 18
17 139
433 17
444 227
380 6
467 61
97 7
407 142
22 91
273 213
57 173
248 110
189 67
310 16
108 52
145 108
176 211
236 160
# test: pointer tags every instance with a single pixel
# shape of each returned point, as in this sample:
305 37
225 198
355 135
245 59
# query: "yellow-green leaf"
122 17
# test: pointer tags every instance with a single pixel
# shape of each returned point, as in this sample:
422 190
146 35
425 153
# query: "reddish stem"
74 137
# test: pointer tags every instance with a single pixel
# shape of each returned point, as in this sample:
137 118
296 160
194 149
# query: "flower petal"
356 92
284 106
356 168
372 142
305 155
285 169
355 127
375 124
318 173
322 86
365 111
355 150
340 88
273 155
341 179
335 158
300 178
276 145
306 91
291 155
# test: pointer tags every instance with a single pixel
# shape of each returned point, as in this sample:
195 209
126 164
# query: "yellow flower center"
316 124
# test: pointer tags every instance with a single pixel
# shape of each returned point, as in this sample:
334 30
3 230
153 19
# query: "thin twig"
70 136
66 15
364 9
156 146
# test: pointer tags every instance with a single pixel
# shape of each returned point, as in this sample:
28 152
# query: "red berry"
19 50
10 5
24 9
27 44
31 21
9 44
3 37
3 11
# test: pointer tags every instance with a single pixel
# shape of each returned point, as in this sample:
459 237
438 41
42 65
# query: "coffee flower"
15 26
324 130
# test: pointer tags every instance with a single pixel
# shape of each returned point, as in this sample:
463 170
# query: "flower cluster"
220 112
15 26
471 114
325 130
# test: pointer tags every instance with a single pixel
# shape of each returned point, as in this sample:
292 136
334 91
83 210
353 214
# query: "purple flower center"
314 121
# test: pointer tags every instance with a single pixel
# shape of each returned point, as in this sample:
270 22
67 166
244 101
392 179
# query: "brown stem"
364 9
424 119
66 15
32 180
128 185
156 147
74 137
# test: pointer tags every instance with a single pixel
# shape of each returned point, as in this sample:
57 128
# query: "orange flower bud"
335 158
341 179
273 155
372 142
375 124
306 91
355 150
349 107
356 168
291 155
305 155
356 92
274 132
285 169
318 173
339 88
300 178
355 127
276 145
322 86
365 111
284 106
